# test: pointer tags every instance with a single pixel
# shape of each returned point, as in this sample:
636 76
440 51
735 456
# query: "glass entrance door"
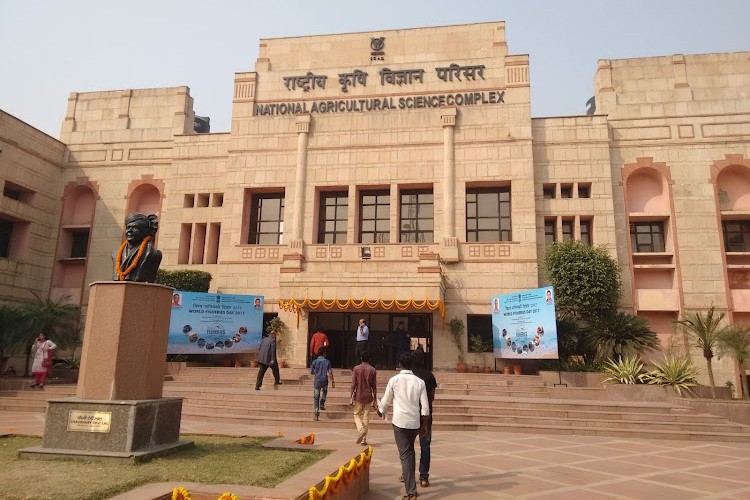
341 328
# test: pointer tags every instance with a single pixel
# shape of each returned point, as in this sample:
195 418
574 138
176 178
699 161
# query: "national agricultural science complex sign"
402 79
209 323
524 325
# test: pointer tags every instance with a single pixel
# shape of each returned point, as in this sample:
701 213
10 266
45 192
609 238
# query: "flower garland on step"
118 262
181 493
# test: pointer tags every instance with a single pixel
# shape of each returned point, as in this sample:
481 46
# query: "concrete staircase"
466 402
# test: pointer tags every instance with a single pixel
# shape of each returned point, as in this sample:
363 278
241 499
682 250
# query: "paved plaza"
516 465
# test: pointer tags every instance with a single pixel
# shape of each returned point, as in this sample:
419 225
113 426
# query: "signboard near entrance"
524 325
210 323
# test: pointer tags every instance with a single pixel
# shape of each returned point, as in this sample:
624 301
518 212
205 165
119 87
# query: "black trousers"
262 372
360 347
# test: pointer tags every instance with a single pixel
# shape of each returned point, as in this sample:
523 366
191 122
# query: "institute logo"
377 45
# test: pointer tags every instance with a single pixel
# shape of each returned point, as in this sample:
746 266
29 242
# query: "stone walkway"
517 465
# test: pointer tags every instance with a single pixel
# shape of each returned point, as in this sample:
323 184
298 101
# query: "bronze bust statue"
137 259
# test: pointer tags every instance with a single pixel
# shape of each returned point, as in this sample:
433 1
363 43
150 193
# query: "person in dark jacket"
266 358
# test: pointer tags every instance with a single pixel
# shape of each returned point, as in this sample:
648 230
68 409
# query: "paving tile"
616 467
696 482
724 471
657 461
570 476
636 489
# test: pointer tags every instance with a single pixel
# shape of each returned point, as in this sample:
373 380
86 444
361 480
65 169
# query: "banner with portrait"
524 324
210 323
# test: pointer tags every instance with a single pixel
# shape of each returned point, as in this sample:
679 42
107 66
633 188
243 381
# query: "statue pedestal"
118 411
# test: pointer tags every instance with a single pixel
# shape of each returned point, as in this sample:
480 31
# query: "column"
449 252
300 179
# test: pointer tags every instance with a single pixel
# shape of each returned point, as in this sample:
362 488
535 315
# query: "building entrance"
341 328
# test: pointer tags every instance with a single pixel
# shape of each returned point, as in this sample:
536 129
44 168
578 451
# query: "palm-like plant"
704 331
57 318
627 370
735 342
680 373
10 332
621 335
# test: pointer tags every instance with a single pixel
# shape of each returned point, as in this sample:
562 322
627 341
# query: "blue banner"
210 323
524 324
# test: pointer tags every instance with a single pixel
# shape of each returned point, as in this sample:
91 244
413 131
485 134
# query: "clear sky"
49 48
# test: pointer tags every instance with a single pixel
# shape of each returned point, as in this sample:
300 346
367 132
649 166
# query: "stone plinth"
125 341
127 430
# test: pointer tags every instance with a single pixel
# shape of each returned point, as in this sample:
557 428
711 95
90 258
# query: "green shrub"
680 373
186 280
621 335
627 370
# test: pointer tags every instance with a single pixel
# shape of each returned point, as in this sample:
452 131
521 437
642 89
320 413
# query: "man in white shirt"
363 336
411 409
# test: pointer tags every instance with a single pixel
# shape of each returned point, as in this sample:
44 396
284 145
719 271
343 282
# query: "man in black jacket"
266 358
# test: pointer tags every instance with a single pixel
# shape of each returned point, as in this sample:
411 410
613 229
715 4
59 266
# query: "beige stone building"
399 176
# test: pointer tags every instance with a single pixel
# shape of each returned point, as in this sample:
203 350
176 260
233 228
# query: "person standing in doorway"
421 371
402 340
266 358
363 336
321 368
42 365
318 340
411 410
364 392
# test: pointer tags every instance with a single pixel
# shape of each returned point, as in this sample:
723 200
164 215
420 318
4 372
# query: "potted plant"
456 329
277 325
477 346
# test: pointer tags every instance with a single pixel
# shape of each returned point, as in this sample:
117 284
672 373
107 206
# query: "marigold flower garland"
118 262
181 493
344 475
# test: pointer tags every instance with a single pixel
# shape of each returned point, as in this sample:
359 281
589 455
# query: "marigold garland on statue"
118 262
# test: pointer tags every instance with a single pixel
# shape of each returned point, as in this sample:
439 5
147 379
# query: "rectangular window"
18 193
375 217
736 235
567 229
6 236
332 216
584 190
488 214
586 231
550 233
479 324
417 217
548 191
80 243
647 237
267 219
566 190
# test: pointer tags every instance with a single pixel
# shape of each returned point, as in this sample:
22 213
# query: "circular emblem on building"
377 44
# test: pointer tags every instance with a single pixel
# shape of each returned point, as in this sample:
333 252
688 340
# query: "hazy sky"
49 48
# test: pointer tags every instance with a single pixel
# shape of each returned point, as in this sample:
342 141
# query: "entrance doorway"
341 328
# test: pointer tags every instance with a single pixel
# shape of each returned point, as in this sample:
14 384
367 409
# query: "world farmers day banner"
209 323
524 325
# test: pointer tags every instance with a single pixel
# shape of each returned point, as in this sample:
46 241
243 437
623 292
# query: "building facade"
399 176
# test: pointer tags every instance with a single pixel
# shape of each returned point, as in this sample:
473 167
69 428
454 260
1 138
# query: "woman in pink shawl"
42 349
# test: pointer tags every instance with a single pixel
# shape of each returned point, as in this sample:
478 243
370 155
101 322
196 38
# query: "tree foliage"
186 280
10 332
735 342
620 335
704 332
586 280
